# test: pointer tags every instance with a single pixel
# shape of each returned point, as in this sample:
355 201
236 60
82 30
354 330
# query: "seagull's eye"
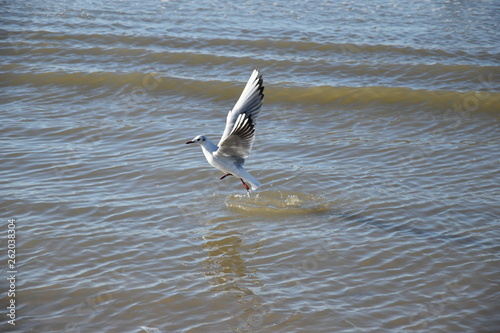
197 139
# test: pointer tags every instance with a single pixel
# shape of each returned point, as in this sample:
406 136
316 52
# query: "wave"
308 72
460 102
465 102
265 46
304 72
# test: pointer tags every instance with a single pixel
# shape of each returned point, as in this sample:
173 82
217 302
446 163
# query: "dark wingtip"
260 82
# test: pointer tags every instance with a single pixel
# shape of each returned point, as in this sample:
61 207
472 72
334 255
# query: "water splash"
278 203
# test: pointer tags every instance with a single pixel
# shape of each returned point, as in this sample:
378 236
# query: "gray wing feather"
239 133
239 142
249 103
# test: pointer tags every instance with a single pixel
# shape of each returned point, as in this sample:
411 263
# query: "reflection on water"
224 264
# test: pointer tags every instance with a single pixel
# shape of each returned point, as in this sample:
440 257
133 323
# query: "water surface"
377 148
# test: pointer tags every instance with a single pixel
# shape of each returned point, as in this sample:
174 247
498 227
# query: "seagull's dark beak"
189 142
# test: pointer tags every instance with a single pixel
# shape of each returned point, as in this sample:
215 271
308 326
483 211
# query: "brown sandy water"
377 148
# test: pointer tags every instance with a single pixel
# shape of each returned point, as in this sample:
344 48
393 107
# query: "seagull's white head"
200 139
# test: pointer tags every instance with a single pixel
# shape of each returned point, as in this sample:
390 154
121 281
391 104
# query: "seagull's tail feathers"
254 183
248 178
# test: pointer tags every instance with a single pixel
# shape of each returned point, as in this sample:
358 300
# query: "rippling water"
377 147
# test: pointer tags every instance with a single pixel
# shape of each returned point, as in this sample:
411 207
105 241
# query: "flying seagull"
237 140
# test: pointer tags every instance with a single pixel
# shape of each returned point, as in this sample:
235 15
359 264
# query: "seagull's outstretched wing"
238 136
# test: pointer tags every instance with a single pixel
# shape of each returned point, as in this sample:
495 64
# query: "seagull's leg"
227 174
244 184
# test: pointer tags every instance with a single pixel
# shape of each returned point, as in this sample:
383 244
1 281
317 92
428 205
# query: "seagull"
238 137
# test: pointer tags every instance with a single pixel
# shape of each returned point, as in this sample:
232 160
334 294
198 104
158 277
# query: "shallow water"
377 148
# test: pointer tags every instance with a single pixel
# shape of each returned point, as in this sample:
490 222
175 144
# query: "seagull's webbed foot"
244 184
227 174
